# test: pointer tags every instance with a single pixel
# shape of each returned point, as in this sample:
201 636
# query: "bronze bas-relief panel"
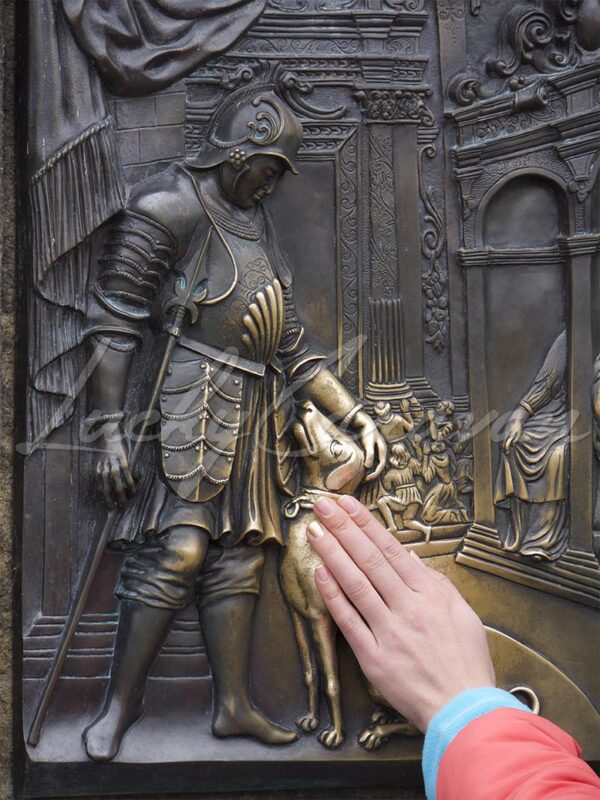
295 249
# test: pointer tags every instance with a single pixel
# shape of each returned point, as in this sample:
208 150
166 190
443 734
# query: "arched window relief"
527 211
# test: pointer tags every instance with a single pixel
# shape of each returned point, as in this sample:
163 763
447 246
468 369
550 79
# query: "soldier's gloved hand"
372 443
113 472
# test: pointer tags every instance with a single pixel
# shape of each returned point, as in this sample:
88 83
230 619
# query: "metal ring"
531 698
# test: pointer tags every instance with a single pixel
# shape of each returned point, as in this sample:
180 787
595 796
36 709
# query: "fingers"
128 479
396 555
116 482
345 616
353 582
369 448
103 475
363 552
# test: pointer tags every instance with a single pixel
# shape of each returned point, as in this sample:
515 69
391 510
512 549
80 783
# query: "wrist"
523 411
356 417
104 424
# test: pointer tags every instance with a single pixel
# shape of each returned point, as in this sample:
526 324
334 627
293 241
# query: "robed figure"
532 476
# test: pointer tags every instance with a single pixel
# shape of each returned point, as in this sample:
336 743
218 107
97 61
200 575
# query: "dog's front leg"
308 722
325 634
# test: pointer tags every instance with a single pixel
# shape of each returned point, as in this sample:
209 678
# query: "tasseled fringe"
78 189
56 362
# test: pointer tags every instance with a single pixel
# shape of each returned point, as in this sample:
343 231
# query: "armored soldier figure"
215 498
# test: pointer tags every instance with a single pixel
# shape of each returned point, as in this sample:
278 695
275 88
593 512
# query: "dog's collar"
307 499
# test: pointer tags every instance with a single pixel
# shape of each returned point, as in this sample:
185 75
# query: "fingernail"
348 503
316 530
322 573
325 507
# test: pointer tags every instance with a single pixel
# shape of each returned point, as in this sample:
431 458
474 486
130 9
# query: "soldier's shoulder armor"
169 198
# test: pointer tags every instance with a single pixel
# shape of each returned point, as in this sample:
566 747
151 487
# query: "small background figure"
402 494
442 505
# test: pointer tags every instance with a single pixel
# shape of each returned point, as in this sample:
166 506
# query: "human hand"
416 639
514 429
113 472
372 443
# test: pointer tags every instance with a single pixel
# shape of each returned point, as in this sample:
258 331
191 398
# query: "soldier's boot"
141 632
227 627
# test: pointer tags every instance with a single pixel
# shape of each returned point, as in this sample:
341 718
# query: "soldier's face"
255 183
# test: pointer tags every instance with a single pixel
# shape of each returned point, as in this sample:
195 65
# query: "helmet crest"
250 121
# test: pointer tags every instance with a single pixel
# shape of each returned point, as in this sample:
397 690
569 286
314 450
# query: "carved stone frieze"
383 105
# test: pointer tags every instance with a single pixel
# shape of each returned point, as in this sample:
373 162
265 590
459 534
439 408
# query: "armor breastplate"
202 397
249 321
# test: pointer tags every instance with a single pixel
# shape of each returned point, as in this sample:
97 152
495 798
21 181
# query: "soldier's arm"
311 380
138 253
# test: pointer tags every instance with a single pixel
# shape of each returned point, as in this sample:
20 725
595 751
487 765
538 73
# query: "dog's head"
331 459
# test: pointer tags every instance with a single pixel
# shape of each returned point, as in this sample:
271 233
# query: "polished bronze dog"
332 464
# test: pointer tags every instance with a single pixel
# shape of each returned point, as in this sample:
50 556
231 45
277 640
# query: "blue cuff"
452 718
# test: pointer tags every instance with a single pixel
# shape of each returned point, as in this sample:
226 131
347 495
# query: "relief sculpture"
215 499
532 474
280 250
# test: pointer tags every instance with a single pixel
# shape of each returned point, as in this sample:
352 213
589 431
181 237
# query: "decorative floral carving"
406 5
520 121
435 281
294 90
349 246
533 36
335 5
289 5
392 106
466 89
384 252
451 9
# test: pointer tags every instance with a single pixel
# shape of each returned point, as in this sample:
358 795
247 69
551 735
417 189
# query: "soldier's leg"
156 581
227 594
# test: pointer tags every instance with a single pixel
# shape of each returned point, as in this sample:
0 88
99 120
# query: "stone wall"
150 131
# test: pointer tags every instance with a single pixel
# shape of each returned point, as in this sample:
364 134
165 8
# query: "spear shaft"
95 556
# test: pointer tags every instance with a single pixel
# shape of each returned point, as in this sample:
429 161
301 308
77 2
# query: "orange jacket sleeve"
508 754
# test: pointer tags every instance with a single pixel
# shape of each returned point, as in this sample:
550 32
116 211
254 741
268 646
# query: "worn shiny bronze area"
283 250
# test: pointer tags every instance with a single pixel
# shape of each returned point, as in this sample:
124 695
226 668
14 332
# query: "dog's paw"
332 737
372 738
308 723
383 716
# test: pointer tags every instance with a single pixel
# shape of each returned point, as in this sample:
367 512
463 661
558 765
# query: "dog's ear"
304 448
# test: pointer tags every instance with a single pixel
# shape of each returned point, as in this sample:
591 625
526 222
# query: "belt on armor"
223 357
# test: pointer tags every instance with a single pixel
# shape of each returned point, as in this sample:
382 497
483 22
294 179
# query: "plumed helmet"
251 121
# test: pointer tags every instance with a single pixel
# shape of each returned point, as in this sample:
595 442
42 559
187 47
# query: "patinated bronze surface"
279 250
